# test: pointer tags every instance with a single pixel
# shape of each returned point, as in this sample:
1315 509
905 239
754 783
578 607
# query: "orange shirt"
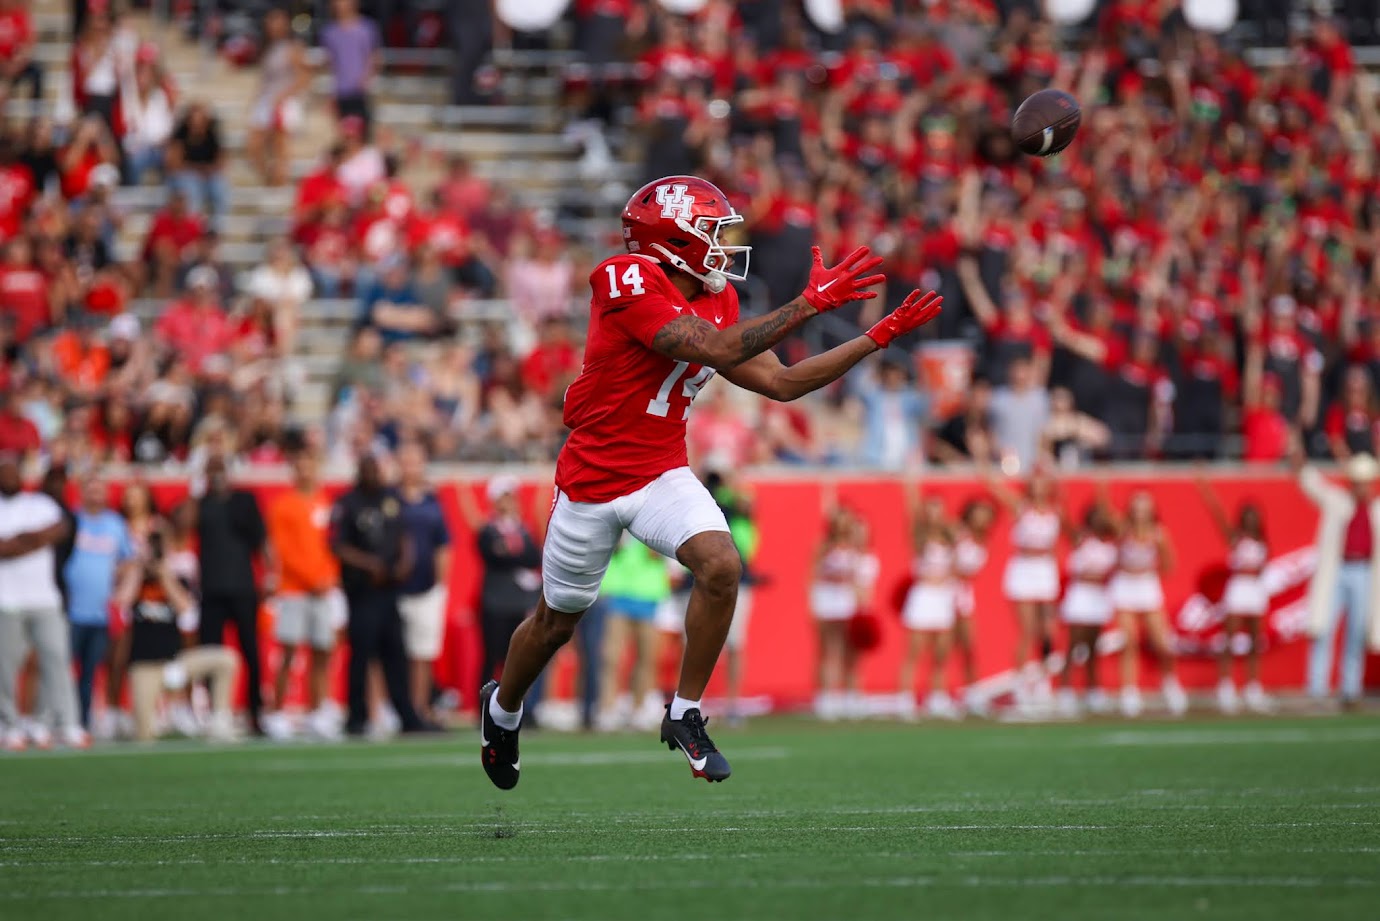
84 367
299 527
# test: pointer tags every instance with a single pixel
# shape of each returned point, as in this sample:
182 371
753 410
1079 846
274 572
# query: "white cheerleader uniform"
1086 600
930 601
1136 587
834 594
1246 594
969 559
1032 575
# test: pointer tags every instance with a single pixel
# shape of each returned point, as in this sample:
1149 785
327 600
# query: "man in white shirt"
31 613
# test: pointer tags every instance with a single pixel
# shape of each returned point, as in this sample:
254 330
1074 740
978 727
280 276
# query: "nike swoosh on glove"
837 285
917 310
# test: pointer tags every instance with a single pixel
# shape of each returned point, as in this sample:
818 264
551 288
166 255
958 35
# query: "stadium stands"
1161 235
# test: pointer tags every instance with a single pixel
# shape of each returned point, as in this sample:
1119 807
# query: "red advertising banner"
781 635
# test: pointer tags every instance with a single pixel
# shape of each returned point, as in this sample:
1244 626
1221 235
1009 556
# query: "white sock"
503 718
679 705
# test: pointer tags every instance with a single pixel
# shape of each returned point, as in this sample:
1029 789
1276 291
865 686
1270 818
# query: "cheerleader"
1087 607
844 574
1244 602
1031 580
929 612
1143 555
970 558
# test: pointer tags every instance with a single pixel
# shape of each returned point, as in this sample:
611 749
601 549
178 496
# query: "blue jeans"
207 194
1352 599
89 644
328 283
140 163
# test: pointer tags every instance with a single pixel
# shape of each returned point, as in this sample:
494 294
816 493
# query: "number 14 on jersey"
660 405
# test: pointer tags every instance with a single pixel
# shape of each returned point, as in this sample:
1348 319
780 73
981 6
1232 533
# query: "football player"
663 321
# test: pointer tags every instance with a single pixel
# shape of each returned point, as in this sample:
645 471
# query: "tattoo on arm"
691 338
685 336
760 335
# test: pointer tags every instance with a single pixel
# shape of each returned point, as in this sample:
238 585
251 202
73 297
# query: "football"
1046 123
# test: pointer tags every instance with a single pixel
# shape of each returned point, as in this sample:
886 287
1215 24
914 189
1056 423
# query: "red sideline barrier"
781 636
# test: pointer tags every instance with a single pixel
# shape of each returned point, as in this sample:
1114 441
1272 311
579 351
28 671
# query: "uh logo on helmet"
678 220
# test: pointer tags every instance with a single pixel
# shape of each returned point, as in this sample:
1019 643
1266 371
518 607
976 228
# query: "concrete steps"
519 142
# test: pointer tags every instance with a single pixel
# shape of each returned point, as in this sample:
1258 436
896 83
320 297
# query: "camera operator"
159 598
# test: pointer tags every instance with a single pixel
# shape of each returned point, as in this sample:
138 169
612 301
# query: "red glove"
833 287
917 310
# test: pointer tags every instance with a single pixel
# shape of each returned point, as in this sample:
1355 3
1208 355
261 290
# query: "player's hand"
835 286
917 310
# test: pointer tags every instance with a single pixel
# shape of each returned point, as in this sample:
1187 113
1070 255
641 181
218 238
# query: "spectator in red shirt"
16 190
674 56
318 189
1351 423
329 249
1266 430
17 65
555 361
171 235
91 148
17 434
196 328
24 293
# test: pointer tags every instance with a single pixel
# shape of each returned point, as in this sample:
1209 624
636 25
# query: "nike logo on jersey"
823 288
718 319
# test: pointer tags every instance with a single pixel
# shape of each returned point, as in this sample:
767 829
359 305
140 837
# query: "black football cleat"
498 746
688 735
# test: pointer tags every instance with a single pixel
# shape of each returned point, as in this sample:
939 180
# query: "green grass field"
1248 820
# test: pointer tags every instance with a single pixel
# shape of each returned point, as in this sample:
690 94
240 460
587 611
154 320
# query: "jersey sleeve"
630 294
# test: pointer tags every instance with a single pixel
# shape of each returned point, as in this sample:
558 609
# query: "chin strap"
714 281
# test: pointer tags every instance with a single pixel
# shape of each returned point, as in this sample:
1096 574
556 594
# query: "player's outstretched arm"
689 338
765 374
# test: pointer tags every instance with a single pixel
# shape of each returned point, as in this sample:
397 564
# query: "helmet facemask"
718 262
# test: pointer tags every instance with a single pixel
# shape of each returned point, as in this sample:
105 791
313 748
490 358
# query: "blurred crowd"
1194 277
1200 264
218 365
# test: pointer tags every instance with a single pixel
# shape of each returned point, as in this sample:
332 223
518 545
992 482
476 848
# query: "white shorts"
309 619
929 606
1137 592
670 617
1246 595
1031 578
424 624
581 536
1086 604
833 601
287 116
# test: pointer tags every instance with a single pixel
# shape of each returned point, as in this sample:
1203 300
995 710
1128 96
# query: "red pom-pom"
865 631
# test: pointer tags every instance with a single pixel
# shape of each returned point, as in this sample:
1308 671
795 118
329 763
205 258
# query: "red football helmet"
677 220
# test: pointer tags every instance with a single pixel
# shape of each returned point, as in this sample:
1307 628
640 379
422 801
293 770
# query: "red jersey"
16 194
24 296
628 406
16 32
